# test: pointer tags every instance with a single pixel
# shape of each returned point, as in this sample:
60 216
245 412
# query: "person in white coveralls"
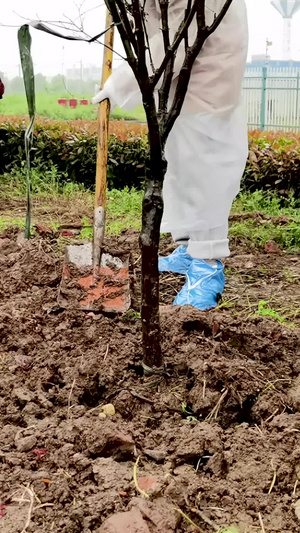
206 150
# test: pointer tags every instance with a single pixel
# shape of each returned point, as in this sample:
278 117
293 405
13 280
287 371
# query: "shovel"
93 280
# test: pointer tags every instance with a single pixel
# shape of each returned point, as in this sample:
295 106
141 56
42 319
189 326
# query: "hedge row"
72 146
273 163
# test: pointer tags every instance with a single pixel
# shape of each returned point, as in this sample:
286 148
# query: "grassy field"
47 106
270 219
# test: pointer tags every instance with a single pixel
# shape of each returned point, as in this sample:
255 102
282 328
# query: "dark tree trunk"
149 242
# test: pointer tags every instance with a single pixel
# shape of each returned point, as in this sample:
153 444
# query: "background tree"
15 86
40 82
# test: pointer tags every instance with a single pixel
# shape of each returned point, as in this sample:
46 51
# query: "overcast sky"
52 55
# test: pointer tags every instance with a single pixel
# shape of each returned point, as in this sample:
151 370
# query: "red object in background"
84 102
43 230
2 89
73 103
63 101
67 233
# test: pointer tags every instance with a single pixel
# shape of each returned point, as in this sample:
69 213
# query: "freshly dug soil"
218 438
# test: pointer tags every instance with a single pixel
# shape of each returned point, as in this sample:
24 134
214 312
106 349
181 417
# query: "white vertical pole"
287 31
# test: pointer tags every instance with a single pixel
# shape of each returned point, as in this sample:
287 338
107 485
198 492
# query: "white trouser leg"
211 244
206 157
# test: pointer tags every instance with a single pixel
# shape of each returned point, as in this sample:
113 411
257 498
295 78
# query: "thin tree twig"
261 523
274 477
203 32
215 411
69 398
113 8
140 397
140 40
205 519
295 488
92 9
127 26
31 496
188 9
47 504
106 352
179 36
164 90
185 72
204 389
188 519
220 17
72 26
147 39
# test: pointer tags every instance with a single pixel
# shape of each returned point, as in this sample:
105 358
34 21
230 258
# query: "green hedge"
272 165
74 155
273 169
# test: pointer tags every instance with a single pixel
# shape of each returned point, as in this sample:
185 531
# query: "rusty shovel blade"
106 288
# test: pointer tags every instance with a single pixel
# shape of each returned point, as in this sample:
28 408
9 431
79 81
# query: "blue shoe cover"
178 262
203 287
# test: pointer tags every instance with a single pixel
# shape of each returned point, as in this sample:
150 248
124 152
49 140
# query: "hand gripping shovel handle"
102 152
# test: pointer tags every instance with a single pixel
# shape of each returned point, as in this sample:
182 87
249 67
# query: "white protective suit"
207 147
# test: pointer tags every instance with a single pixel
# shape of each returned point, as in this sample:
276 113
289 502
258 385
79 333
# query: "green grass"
290 278
47 106
124 208
43 183
265 310
131 316
137 114
6 221
287 236
267 203
257 234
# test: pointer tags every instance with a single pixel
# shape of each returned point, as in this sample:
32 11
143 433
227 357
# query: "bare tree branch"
219 18
164 90
147 38
131 58
187 11
192 52
9 25
127 25
164 5
140 40
85 37
179 36
91 9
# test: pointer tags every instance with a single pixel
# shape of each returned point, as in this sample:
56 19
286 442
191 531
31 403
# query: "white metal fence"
271 98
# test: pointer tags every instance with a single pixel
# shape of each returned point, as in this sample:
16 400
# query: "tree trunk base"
153 371
154 376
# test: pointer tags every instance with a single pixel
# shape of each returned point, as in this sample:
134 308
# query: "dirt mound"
217 441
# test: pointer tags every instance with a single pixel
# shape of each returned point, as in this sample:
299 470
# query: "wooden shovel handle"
103 120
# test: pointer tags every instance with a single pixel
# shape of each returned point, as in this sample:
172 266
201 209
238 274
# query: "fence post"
263 99
297 99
